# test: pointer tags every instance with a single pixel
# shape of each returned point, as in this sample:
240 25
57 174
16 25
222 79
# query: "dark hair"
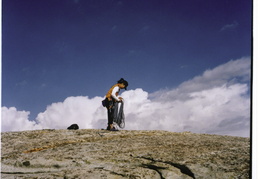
122 80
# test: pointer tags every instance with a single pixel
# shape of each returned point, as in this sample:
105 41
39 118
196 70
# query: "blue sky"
54 49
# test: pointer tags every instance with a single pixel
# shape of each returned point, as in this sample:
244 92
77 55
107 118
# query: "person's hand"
120 99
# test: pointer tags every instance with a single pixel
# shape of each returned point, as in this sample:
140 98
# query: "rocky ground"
89 153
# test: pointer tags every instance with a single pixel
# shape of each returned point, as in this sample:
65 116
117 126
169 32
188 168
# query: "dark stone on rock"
73 127
26 163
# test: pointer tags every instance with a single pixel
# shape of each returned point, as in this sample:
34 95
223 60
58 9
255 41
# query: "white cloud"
215 102
80 110
231 26
232 72
13 120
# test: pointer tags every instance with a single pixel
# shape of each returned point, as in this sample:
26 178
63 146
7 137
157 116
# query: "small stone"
26 163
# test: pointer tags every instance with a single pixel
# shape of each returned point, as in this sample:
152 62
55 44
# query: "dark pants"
110 111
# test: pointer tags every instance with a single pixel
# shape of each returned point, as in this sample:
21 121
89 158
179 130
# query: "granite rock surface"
91 153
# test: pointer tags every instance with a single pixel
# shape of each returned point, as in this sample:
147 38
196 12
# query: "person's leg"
110 115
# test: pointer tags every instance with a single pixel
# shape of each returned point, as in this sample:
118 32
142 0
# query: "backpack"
73 127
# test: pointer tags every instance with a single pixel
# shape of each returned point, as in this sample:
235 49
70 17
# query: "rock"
26 163
73 127
88 153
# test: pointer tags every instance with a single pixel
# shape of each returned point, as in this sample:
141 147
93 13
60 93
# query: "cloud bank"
216 102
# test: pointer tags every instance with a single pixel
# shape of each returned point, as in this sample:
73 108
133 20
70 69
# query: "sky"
188 63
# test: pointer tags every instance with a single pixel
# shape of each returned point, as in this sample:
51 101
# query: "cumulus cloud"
81 110
13 120
216 102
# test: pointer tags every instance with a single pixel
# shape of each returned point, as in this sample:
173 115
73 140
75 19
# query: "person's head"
122 83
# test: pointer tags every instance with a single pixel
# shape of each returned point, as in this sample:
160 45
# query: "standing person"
112 98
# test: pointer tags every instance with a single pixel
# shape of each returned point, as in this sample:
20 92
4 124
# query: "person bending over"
112 98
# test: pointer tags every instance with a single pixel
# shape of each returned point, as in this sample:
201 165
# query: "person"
113 97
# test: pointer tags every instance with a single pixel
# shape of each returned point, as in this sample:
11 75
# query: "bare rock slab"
89 153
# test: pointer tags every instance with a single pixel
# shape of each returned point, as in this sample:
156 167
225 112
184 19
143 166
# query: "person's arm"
114 93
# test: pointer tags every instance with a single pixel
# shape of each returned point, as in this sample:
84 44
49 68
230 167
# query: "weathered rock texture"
97 154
